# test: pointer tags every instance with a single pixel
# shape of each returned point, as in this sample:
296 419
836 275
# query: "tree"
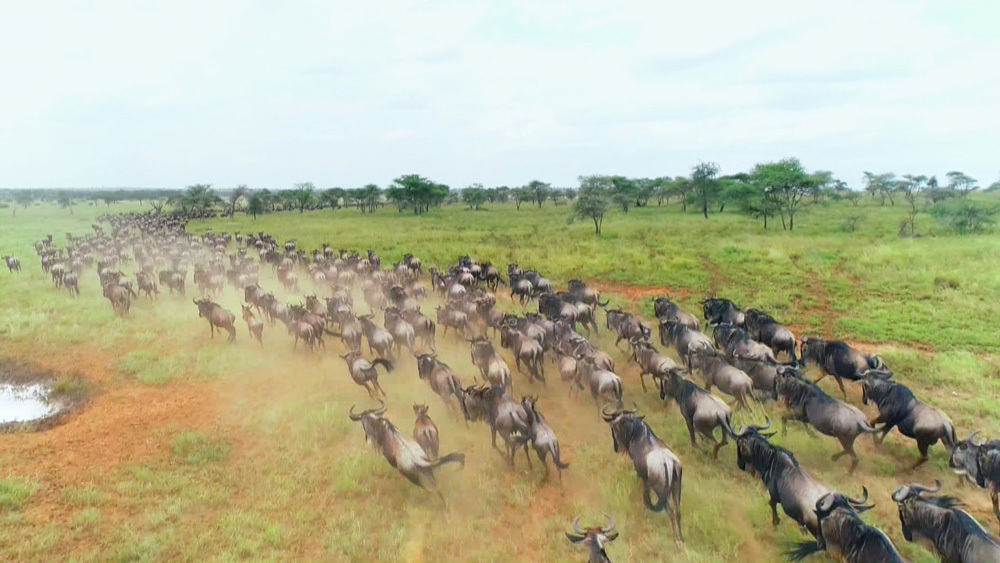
538 190
22 198
302 195
198 197
704 185
881 184
64 201
966 217
570 193
962 184
503 194
519 195
911 186
238 193
854 197
157 205
474 196
256 205
419 193
591 201
786 183
622 191
332 197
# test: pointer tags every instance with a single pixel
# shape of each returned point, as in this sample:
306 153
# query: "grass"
271 468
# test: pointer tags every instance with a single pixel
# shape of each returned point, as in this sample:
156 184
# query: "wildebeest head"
204 306
369 420
908 499
832 501
594 538
746 446
420 410
963 460
625 425
425 364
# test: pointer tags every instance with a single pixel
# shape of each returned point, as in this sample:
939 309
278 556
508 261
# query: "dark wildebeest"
121 300
915 419
405 455
71 284
841 361
764 329
303 331
702 412
594 539
254 325
541 437
423 326
736 341
809 404
13 264
763 373
217 317
657 467
787 482
650 361
600 381
586 295
682 338
425 432
721 311
147 284
980 463
363 372
665 309
938 520
844 534
505 416
627 326
520 287
442 379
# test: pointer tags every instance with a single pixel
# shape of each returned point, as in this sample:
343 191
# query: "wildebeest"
915 419
525 350
505 416
147 284
601 382
594 539
682 338
717 371
627 326
405 455
844 534
787 482
665 309
657 467
304 331
425 432
719 310
364 373
379 339
254 325
71 284
650 361
980 463
809 404
541 437
402 332
702 412
442 379
764 329
736 341
217 317
841 361
954 533
13 264
763 373
520 287
491 366
121 300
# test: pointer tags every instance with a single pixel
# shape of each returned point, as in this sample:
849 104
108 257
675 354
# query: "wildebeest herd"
749 358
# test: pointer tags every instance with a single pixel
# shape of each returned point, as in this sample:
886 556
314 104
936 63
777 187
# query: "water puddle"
26 403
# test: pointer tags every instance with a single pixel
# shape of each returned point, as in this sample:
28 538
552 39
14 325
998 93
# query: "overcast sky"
267 94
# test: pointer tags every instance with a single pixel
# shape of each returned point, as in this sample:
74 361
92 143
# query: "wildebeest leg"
840 383
690 425
848 445
642 379
885 432
527 455
718 445
922 446
774 511
996 503
379 387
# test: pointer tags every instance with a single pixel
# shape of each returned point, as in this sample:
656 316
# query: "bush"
965 217
851 224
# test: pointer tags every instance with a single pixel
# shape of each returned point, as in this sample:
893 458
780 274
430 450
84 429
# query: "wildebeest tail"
727 426
605 304
950 439
384 363
801 550
867 428
556 459
453 457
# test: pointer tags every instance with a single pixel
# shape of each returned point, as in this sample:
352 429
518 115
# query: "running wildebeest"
13 264
525 350
682 338
717 371
809 404
379 339
979 462
217 317
72 284
844 534
657 467
405 455
442 379
702 412
665 309
601 382
719 310
254 325
119 297
425 432
364 373
594 539
764 329
897 407
505 416
650 361
491 366
541 437
841 361
939 520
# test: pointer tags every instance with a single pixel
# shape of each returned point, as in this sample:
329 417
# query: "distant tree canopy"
415 192
196 198
474 196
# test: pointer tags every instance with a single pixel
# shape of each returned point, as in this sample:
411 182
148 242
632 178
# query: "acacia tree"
786 183
591 201
256 205
622 191
419 193
64 201
519 195
234 197
157 205
537 191
705 184
302 195
332 197
474 196
881 185
961 183
911 186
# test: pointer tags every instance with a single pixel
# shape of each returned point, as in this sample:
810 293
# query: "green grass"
276 471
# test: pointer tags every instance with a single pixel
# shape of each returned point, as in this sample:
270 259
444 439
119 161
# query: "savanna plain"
188 448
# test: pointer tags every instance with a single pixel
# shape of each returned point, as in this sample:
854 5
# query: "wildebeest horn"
609 416
901 493
576 526
611 523
382 408
972 438
354 417
862 500
920 489
193 300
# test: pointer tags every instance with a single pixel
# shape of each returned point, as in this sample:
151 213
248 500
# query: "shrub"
965 217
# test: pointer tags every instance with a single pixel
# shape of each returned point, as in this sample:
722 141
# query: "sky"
269 94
